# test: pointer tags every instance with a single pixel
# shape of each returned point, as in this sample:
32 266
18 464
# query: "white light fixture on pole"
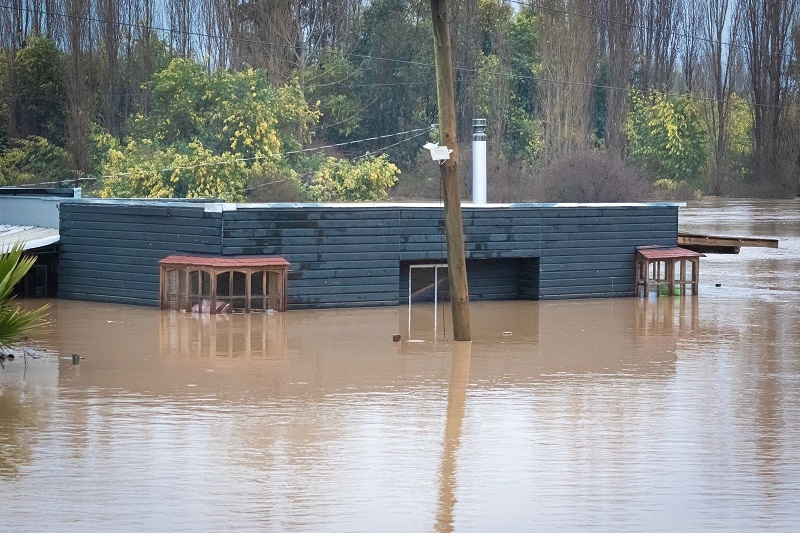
438 153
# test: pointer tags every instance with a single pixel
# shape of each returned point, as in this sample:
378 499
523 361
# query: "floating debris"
30 352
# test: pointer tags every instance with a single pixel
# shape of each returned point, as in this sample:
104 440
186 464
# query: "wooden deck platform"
714 244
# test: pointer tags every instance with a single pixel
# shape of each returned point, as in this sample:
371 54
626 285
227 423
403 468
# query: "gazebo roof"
249 261
666 252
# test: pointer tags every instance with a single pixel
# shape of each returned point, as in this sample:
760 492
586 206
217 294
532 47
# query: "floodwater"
665 414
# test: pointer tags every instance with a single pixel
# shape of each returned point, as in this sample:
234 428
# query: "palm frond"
15 322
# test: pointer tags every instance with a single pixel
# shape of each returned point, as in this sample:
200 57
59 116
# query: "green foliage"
677 190
15 323
33 160
216 135
524 62
100 147
144 169
5 65
740 136
340 180
330 84
667 138
524 139
399 94
212 130
489 67
495 19
38 90
237 112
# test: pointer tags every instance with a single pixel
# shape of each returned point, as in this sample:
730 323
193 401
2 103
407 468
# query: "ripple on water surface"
625 414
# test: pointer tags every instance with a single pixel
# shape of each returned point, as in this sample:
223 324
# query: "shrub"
592 177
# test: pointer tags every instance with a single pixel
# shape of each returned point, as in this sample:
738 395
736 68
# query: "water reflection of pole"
456 401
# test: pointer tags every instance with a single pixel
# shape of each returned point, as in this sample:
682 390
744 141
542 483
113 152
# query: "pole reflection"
456 404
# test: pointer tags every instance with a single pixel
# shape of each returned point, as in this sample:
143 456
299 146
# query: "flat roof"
214 206
31 237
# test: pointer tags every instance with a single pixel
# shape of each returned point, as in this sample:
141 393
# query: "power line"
407 62
599 18
120 23
423 132
418 131
521 3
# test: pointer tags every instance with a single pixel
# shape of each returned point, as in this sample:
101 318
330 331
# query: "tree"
36 86
399 90
493 74
329 83
524 138
15 323
621 15
340 180
657 43
691 27
568 69
81 110
767 32
666 137
217 135
466 29
33 160
210 130
721 23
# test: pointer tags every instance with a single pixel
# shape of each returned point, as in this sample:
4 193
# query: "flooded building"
350 255
29 216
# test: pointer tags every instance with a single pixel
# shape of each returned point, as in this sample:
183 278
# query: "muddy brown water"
665 414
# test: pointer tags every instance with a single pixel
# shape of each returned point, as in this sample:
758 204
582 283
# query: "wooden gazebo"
223 284
670 267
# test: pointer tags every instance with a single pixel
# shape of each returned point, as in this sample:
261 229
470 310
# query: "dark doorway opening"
488 279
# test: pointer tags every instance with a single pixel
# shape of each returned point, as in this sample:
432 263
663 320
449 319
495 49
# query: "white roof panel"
32 237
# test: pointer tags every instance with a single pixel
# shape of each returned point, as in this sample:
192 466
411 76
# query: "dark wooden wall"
110 251
345 256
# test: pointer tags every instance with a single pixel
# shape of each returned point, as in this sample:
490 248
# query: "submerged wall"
345 255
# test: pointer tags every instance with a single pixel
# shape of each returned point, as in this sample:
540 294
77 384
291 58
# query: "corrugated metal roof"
31 237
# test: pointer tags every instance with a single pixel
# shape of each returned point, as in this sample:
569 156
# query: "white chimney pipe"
479 161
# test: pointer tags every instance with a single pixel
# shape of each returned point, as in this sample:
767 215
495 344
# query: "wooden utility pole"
454 227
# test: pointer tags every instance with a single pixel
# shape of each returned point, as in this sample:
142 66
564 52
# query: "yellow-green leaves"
217 135
206 135
666 136
365 180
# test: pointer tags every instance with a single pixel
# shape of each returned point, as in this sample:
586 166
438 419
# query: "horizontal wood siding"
339 257
589 251
352 256
110 252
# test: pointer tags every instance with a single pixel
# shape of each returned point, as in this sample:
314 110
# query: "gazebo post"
213 295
